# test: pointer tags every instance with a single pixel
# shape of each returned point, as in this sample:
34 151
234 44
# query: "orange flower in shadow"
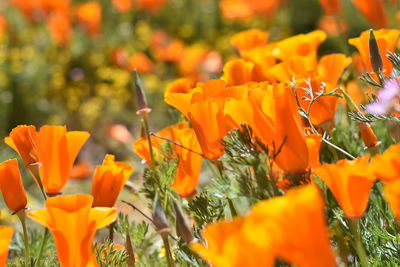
57 150
350 182
386 166
11 185
23 140
226 245
386 40
89 15
108 181
6 233
185 148
296 224
291 227
373 11
392 195
73 223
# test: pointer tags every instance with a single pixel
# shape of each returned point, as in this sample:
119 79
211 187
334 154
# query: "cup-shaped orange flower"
373 11
73 223
11 185
6 233
386 40
57 150
23 140
350 181
108 181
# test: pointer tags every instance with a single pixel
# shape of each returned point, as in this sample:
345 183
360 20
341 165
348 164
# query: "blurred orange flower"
57 150
60 28
373 11
119 133
386 166
291 227
386 40
81 170
332 25
392 195
108 181
350 181
245 9
249 39
3 25
123 5
151 5
141 63
11 185
331 7
166 48
89 15
73 223
6 233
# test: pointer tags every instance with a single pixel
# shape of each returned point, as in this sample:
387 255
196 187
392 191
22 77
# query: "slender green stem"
111 232
42 245
354 226
145 123
168 253
21 216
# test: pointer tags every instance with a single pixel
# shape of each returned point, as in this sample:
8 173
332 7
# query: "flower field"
225 133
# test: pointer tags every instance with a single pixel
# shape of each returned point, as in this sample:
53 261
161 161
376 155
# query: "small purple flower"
385 98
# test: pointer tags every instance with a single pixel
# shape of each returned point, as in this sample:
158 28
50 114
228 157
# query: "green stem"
145 124
21 216
111 232
170 260
43 244
354 226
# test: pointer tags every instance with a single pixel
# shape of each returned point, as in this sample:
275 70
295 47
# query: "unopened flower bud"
140 96
182 227
159 218
374 54
368 135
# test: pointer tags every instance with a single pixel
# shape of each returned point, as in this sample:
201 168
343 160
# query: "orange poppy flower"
392 195
331 7
192 60
23 140
291 227
60 28
73 223
238 72
249 39
386 40
6 233
227 246
386 166
373 11
57 150
123 5
272 113
108 181
296 224
11 185
89 15
350 182
189 162
141 63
